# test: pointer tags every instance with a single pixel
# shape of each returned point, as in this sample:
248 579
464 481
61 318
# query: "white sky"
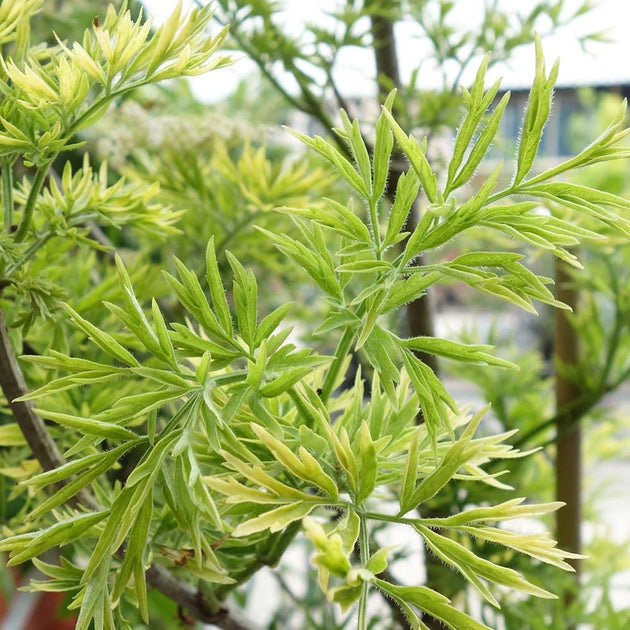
603 64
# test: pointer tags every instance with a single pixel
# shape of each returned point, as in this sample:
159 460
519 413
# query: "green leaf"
336 217
305 466
27 546
89 426
431 393
330 153
245 299
270 323
374 304
587 201
409 289
476 105
279 385
539 546
134 553
383 145
101 339
368 464
378 561
410 473
536 115
431 602
416 154
163 335
317 264
457 455
11 435
136 405
192 298
275 520
101 464
152 459
457 351
352 134
406 193
217 291
482 144
345 596
473 567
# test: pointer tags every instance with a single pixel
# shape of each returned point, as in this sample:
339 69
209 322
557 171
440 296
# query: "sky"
603 64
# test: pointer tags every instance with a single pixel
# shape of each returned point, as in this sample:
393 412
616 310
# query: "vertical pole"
568 466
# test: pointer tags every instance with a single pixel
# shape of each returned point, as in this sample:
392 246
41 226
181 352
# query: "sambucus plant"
232 438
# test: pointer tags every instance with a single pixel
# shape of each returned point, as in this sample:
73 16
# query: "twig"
189 598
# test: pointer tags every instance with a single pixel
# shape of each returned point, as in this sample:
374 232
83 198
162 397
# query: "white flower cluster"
131 126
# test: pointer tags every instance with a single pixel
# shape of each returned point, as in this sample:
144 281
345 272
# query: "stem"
310 104
384 45
110 96
568 467
230 234
188 597
389 518
375 227
364 549
32 426
29 253
36 186
269 555
7 195
575 408
342 351
303 606
418 313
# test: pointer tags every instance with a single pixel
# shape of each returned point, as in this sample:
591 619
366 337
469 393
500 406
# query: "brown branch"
190 599
48 455
32 426
419 312
568 467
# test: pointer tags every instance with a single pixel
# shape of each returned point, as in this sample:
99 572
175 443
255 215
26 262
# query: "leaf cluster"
233 436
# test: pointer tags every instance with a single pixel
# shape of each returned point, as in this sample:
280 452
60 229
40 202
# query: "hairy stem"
364 550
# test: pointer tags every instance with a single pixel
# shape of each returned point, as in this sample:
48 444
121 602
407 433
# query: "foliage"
230 438
310 58
523 399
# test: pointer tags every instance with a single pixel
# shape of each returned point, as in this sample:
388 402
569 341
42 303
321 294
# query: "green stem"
342 351
230 234
36 186
7 195
375 227
364 550
29 253
297 601
268 555
389 518
78 123
310 103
